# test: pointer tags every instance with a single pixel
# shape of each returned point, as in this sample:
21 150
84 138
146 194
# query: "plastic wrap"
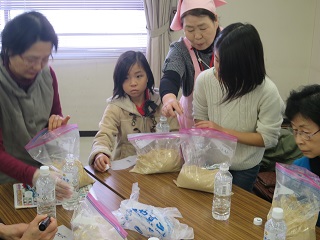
151 221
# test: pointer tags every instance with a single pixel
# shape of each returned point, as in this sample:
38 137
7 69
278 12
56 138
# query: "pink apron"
186 119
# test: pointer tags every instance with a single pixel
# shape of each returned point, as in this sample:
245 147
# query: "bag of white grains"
297 192
203 150
156 152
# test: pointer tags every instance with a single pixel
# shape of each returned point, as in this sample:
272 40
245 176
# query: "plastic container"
46 195
162 125
275 228
222 193
71 176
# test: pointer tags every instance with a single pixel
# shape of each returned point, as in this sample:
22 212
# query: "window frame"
7 7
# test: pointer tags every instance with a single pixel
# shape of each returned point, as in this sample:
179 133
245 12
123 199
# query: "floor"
85 149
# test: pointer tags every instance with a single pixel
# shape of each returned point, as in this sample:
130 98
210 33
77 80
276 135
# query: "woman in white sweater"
238 98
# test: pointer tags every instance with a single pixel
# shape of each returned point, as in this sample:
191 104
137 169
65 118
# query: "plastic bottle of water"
222 193
70 175
163 125
45 188
275 228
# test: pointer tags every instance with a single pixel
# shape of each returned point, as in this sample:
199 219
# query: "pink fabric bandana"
186 5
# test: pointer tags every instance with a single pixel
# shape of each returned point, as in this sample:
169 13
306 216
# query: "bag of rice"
156 152
92 219
203 150
297 192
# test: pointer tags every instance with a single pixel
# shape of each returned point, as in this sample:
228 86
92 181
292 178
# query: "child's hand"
101 162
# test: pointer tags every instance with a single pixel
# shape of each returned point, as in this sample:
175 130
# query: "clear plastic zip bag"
93 220
156 152
52 148
203 150
297 192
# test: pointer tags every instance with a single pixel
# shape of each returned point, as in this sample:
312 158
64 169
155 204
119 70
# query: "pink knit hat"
186 5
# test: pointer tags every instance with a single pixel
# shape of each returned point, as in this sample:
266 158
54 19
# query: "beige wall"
286 29
315 51
289 29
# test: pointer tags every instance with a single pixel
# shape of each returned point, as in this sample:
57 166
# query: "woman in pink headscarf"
188 56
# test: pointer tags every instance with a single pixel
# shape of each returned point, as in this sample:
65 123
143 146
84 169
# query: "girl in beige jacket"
135 107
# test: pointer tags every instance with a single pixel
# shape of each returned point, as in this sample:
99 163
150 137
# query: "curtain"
158 23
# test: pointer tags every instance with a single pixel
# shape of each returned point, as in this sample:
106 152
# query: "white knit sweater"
258 111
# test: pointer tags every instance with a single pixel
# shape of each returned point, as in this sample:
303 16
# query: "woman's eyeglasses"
34 61
303 135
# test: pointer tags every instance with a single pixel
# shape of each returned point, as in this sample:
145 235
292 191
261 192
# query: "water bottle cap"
224 167
257 221
163 119
44 170
277 213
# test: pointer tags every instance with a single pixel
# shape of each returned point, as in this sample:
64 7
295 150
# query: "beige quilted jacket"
121 118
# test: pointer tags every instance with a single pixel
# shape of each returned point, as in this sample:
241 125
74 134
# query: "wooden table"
10 215
159 190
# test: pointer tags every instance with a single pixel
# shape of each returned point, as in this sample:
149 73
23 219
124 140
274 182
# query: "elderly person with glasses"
303 111
29 97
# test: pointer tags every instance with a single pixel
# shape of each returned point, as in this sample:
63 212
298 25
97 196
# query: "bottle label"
45 195
68 177
223 190
271 236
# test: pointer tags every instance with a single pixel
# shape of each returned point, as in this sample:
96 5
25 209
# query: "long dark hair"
123 65
241 60
23 31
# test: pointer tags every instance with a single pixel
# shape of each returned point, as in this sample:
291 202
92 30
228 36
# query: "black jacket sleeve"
170 83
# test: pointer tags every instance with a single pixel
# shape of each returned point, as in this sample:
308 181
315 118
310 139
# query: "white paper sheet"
63 233
124 163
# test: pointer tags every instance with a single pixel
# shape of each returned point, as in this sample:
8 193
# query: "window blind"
88 29
71 5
